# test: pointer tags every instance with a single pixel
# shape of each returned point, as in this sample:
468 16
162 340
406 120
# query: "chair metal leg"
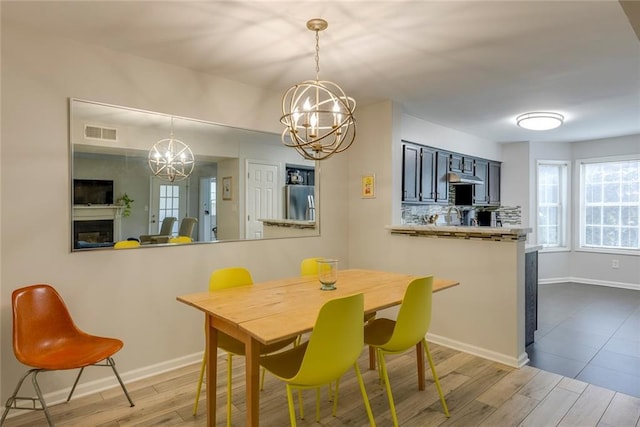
435 378
385 375
363 390
335 397
203 368
11 401
292 410
36 386
112 363
229 388
75 384
107 362
301 405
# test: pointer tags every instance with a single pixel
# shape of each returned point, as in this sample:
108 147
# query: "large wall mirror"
245 184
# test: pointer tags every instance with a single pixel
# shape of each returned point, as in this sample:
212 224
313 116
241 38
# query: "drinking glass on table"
328 273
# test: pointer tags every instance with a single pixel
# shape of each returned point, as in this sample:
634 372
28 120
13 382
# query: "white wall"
479 316
39 74
514 177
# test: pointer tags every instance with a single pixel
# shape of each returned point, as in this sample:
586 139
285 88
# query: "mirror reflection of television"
92 192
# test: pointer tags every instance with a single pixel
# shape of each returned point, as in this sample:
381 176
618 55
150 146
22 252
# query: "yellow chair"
392 337
223 279
309 266
124 244
333 347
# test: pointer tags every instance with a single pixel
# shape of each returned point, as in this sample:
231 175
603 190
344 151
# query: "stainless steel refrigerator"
299 202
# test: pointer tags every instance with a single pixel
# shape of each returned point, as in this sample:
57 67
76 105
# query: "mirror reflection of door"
207 224
262 195
167 199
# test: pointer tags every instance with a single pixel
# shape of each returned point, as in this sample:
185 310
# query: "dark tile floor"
590 333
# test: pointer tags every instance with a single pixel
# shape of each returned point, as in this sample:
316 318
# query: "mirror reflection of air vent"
102 133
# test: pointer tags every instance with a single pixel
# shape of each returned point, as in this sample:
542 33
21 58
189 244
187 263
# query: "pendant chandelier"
171 159
317 115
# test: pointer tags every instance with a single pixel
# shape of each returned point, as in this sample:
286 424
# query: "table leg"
252 372
420 361
212 371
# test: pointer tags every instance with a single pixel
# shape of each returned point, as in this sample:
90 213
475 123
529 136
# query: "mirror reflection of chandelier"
171 159
317 114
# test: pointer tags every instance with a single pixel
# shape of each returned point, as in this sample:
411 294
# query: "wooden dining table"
275 310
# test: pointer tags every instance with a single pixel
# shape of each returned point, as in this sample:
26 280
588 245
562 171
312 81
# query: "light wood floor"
478 392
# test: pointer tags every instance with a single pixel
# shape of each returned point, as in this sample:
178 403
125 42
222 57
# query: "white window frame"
564 203
580 216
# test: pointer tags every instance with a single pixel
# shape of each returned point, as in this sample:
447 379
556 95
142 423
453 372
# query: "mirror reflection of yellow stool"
125 244
180 239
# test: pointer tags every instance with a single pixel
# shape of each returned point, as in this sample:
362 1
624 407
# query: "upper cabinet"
460 163
442 177
481 191
428 164
410 173
425 175
494 183
487 194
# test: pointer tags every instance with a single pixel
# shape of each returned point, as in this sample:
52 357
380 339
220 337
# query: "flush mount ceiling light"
171 159
317 115
540 120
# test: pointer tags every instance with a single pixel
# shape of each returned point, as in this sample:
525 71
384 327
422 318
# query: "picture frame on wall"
226 188
368 186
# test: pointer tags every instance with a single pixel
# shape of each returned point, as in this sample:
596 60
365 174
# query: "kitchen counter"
278 228
508 233
292 223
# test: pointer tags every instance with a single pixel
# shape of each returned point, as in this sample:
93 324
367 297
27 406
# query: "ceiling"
469 65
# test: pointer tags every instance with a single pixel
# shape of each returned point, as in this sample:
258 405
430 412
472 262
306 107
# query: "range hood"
456 178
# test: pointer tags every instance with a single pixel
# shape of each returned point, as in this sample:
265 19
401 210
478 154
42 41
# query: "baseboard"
518 362
110 381
584 281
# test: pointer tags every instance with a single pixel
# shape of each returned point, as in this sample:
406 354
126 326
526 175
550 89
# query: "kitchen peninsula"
461 232
274 228
485 316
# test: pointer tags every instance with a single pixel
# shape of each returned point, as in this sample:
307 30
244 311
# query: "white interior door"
207 210
167 199
263 195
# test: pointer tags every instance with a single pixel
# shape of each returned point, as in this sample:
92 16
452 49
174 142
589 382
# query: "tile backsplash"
418 214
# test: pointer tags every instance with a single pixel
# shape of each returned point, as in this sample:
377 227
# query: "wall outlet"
615 263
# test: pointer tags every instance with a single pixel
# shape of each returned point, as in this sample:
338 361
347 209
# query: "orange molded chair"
45 338
223 279
333 348
388 336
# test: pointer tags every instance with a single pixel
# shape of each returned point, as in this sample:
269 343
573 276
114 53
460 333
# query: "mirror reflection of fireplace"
93 233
